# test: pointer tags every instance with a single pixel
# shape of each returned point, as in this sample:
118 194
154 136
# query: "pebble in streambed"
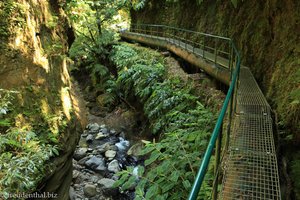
100 155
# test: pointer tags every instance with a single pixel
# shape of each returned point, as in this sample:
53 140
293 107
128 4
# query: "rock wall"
267 34
35 36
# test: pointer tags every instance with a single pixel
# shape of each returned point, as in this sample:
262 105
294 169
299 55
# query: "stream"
109 143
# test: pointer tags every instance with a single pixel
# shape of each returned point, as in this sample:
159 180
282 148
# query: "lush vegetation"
23 152
96 24
11 18
183 123
295 172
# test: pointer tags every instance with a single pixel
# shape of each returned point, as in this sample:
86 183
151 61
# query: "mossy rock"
106 100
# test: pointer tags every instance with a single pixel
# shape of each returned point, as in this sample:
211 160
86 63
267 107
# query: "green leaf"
234 2
167 185
152 192
124 177
5 122
141 170
130 183
174 176
147 150
154 156
295 102
55 151
187 185
192 136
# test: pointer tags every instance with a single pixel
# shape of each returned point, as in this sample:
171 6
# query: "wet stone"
102 126
104 131
72 193
106 182
93 127
94 179
113 148
100 136
95 162
110 154
84 135
90 138
90 190
113 166
113 132
103 148
135 150
83 160
75 174
80 153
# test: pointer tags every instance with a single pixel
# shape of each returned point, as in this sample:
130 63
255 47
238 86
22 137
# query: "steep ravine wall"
35 36
267 33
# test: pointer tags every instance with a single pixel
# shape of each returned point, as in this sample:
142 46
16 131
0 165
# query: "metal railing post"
178 39
235 88
229 55
193 46
203 48
216 52
230 116
186 40
217 163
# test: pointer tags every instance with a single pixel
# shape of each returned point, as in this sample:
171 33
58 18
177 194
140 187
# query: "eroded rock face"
58 182
42 79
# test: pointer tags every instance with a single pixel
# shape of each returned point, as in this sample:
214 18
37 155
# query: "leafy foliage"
22 159
23 153
234 2
95 24
91 20
174 112
295 172
6 97
11 18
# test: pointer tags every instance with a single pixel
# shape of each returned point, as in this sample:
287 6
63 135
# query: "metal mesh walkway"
251 166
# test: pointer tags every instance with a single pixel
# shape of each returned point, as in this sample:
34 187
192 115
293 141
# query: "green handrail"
205 161
181 29
213 43
229 97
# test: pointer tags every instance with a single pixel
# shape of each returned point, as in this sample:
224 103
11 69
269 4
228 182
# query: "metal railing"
214 48
221 51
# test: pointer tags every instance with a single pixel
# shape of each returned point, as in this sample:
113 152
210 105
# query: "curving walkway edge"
250 168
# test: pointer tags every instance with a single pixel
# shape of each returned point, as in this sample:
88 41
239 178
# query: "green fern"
174 112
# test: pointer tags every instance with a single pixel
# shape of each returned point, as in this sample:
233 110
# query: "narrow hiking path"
250 168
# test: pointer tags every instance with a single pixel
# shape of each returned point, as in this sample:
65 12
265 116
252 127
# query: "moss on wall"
34 42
